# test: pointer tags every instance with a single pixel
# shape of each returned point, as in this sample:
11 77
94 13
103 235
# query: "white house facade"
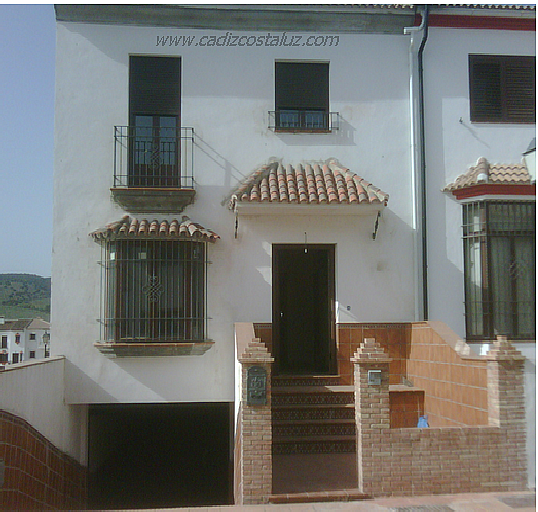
22 340
294 168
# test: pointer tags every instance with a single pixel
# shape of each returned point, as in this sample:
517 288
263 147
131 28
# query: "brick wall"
440 460
37 476
254 473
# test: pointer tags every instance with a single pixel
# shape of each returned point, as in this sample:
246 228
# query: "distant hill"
24 296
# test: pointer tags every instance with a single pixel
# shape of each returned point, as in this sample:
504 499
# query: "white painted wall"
226 94
452 147
34 391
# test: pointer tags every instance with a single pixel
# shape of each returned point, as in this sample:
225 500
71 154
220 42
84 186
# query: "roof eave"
276 209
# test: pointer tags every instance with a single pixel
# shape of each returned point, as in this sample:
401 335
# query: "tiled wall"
37 476
394 338
405 408
455 386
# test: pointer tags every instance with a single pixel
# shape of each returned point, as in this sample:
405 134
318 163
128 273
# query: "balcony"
153 168
303 121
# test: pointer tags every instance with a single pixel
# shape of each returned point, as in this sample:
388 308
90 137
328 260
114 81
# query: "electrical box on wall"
374 377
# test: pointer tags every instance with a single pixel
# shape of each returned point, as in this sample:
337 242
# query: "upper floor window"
302 96
499 257
32 336
502 88
154 118
4 341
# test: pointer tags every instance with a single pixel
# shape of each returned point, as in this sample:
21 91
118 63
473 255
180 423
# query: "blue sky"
27 45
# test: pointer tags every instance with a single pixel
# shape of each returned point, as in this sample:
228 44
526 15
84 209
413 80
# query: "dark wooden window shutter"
302 86
154 85
502 88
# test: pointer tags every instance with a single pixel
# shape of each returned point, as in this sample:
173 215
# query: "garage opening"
156 456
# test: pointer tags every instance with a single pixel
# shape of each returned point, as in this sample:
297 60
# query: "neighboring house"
22 340
316 171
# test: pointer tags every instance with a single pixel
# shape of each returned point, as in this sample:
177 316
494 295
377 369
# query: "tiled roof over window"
484 172
130 227
306 184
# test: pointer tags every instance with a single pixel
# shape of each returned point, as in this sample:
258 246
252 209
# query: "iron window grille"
153 291
303 121
154 154
502 88
499 259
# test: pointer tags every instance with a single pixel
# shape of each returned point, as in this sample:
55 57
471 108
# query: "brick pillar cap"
369 352
503 350
256 352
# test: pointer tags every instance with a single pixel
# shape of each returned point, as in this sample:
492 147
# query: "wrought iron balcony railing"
153 157
303 121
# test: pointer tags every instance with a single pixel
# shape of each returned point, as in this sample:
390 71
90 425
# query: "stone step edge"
312 406
306 376
316 421
319 496
311 389
313 439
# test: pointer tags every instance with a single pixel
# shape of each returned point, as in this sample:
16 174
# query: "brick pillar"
372 414
256 468
506 406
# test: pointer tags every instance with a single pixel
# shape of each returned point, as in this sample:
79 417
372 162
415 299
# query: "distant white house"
24 339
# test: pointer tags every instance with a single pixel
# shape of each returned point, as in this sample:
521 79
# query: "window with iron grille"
499 257
154 131
154 291
301 96
502 88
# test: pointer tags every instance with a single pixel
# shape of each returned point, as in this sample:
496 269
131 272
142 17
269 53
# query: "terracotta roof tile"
484 172
129 227
306 184
15 325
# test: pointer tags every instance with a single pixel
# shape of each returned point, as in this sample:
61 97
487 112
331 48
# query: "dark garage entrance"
152 455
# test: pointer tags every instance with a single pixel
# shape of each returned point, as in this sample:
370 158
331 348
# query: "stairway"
312 415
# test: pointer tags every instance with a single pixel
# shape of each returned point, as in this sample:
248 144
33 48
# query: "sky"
27 46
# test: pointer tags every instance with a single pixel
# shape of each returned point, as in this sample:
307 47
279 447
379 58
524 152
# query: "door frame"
331 291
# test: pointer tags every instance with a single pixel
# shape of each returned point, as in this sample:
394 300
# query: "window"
32 336
499 255
302 96
32 354
3 358
502 88
4 341
17 338
15 358
154 93
155 291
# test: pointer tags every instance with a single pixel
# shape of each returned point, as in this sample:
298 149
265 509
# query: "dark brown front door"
303 309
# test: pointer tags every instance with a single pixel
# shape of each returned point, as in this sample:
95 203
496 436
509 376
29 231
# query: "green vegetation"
24 296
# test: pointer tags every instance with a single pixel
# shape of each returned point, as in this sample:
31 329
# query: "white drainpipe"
417 164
